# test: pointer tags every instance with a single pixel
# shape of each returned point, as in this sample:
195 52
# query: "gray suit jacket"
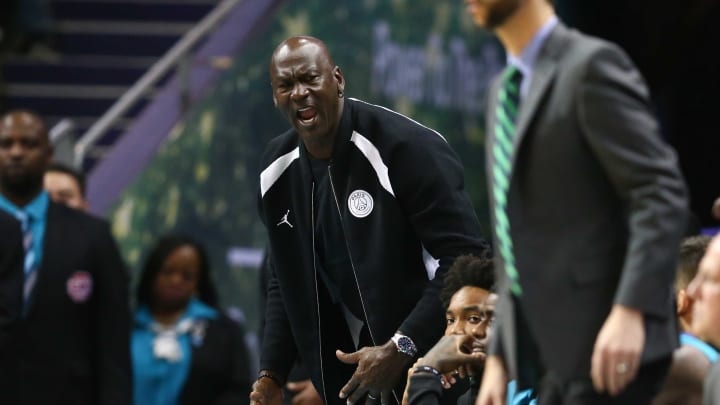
596 206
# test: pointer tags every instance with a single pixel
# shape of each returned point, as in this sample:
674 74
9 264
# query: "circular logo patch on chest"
79 286
360 203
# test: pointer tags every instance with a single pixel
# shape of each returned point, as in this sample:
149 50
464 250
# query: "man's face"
305 87
24 152
705 290
491 14
64 189
471 312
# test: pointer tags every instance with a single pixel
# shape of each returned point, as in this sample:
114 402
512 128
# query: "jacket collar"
36 209
345 130
195 309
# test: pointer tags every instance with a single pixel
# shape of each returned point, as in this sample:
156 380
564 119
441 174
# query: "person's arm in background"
278 348
302 390
425 384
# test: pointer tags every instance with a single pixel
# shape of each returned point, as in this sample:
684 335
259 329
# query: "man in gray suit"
588 209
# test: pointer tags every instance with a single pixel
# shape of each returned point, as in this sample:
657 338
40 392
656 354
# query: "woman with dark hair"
184 350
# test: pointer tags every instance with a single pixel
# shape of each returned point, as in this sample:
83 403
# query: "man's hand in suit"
616 356
493 387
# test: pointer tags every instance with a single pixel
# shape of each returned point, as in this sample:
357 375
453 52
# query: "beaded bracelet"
428 369
270 376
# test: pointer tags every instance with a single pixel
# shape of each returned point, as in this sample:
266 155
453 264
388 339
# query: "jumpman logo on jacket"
284 220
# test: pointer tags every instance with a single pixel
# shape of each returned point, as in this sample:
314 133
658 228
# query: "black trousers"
640 391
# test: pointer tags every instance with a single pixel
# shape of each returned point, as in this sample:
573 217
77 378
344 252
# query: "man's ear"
683 302
274 100
337 73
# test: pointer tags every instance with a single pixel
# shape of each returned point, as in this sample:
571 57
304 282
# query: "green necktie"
506 113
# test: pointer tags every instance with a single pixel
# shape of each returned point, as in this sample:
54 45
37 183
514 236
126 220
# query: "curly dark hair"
163 248
468 270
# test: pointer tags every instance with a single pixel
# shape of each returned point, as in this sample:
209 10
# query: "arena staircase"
100 48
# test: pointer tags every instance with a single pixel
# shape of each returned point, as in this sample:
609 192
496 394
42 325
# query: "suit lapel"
542 76
51 246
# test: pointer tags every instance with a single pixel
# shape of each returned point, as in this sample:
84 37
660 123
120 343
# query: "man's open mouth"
306 114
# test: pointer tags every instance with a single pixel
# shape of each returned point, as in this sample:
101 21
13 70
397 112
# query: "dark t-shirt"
333 260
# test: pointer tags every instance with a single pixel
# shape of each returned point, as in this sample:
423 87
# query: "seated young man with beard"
470 302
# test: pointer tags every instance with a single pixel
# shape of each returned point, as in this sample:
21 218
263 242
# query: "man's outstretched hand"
379 369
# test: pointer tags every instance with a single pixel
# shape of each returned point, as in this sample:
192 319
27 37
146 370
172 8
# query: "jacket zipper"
352 264
317 295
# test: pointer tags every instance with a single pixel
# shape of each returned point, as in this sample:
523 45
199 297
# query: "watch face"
406 345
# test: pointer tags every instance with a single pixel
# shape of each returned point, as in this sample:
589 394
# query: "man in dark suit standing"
588 209
71 344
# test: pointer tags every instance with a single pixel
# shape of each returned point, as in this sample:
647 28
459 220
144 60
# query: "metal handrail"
63 142
61 130
171 58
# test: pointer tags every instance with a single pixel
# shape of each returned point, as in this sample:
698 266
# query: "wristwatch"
404 345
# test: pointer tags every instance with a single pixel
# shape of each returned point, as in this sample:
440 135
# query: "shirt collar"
526 60
198 309
195 309
36 209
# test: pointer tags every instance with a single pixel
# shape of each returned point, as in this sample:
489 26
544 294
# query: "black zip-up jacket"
398 187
